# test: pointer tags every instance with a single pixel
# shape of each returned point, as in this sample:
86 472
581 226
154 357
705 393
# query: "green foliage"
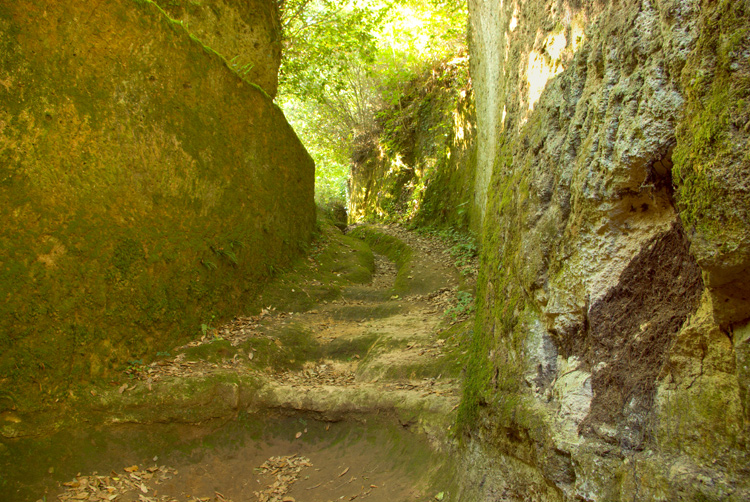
464 306
327 47
243 69
209 264
344 62
207 328
327 138
134 367
420 140
463 247
321 40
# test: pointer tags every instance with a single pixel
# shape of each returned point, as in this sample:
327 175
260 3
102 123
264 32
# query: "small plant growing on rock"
206 328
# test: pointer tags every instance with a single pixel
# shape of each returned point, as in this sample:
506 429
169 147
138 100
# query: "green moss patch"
444 366
711 160
215 351
334 261
395 249
345 349
366 312
495 363
285 348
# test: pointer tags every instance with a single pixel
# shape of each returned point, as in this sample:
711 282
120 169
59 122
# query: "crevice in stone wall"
659 176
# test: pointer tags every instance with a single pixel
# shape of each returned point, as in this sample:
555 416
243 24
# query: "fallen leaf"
298 435
123 388
345 471
132 468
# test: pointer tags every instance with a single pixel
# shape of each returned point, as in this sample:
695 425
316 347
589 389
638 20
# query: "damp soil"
374 460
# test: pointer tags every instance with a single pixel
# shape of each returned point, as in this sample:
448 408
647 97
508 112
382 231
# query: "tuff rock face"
145 188
611 347
245 32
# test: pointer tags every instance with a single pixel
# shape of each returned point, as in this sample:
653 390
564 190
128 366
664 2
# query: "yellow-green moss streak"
495 360
712 159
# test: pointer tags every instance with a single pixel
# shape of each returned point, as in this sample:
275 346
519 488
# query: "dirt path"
335 379
377 351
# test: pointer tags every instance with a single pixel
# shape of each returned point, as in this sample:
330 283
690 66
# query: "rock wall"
609 357
145 189
246 32
419 166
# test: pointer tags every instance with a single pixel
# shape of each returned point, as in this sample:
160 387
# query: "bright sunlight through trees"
346 61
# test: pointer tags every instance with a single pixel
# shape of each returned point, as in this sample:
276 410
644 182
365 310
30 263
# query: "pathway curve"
371 354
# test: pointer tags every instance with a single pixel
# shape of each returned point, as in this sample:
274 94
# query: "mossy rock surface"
246 32
712 156
145 188
420 167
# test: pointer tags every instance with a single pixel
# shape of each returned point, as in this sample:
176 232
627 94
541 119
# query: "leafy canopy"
321 39
344 60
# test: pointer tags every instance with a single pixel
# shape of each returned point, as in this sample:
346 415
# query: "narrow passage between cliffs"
352 396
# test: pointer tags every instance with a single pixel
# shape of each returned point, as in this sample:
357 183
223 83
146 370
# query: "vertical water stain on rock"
630 331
